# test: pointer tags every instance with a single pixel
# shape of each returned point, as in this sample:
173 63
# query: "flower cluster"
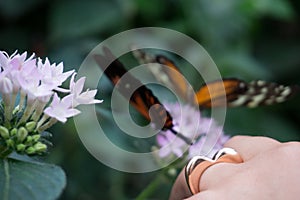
30 103
190 123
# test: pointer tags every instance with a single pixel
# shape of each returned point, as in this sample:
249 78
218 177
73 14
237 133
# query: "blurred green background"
248 39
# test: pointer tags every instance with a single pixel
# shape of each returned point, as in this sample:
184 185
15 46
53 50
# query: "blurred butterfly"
236 91
142 98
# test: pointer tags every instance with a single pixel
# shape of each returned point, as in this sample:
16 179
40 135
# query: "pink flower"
4 57
189 122
17 66
61 109
53 74
169 146
6 85
37 84
80 97
29 91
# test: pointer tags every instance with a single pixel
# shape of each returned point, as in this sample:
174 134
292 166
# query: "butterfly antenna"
185 139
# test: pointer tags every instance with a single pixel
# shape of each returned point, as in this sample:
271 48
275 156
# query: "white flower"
53 74
80 97
20 68
35 82
4 58
6 85
34 88
61 109
29 94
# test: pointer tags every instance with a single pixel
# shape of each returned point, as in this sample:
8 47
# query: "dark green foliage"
30 180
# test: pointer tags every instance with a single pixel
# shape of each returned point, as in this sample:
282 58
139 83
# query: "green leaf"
30 180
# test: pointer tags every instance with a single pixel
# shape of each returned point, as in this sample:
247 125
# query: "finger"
249 146
180 189
216 175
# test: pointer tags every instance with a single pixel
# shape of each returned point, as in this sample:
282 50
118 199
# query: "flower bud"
30 126
4 132
36 137
40 147
21 134
29 140
13 131
10 143
21 147
30 150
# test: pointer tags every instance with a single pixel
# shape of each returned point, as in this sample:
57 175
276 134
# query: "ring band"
198 164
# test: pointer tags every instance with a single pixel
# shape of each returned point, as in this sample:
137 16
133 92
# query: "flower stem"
22 100
4 152
28 112
150 189
7 180
13 100
47 125
38 111
7 107
41 121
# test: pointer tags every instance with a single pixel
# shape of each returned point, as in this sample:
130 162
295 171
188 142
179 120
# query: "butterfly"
237 92
142 98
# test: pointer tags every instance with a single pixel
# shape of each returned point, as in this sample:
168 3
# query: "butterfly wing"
240 93
219 93
264 93
170 76
141 98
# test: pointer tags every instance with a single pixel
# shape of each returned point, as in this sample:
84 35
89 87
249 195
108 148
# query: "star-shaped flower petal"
80 97
61 109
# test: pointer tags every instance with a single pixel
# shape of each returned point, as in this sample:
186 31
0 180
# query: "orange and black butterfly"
142 98
237 92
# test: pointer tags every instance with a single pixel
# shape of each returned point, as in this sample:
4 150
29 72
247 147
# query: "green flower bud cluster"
23 139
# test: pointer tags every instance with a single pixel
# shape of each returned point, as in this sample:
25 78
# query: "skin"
270 171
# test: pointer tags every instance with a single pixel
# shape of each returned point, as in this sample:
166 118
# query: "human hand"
270 171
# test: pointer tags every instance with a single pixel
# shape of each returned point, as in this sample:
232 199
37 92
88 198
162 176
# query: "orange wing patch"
220 93
178 81
171 77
